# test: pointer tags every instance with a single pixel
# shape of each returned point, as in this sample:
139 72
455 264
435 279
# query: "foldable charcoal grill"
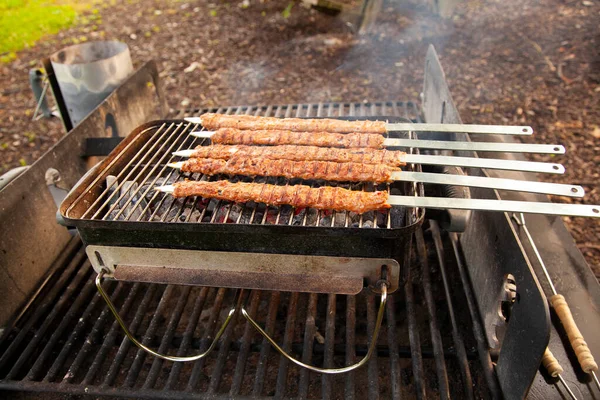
467 319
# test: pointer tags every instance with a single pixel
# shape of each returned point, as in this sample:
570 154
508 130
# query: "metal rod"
130 336
491 183
475 146
362 362
596 379
567 387
520 219
574 210
491 163
463 128
392 143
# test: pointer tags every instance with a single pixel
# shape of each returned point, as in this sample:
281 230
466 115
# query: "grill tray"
132 214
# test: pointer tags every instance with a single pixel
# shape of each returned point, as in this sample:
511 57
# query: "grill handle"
239 307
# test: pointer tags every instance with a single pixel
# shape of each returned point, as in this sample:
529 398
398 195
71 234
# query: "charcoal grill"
438 338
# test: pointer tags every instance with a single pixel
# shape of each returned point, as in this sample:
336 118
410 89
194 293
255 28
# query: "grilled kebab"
217 121
330 171
297 153
299 196
279 137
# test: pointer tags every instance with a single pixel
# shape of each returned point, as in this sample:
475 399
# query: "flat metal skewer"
573 210
473 162
556 189
462 128
453 145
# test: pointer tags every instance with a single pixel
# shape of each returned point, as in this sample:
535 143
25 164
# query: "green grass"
23 22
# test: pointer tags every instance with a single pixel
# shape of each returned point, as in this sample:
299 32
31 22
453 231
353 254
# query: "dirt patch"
534 63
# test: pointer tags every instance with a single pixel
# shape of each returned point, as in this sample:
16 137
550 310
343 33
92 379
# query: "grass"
23 22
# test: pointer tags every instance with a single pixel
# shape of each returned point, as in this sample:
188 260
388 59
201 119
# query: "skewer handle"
584 356
551 364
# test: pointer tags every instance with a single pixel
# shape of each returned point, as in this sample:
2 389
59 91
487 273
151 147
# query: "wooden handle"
551 363
585 357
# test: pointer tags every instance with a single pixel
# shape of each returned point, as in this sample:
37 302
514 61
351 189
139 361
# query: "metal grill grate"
67 341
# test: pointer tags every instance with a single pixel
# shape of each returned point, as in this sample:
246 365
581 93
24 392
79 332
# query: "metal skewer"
561 307
463 128
555 370
574 210
454 145
477 181
472 162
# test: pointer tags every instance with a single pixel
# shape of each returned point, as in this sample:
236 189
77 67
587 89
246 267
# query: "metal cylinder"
87 73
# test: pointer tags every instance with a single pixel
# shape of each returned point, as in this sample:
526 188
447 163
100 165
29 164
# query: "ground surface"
507 62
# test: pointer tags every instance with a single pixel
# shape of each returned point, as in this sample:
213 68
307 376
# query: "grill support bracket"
314 274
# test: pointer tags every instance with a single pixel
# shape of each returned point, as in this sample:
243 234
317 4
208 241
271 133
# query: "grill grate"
67 341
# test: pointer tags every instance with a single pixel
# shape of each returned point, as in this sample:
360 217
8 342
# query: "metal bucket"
87 73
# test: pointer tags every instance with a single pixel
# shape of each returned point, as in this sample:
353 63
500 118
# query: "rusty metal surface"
306 273
30 238
89 72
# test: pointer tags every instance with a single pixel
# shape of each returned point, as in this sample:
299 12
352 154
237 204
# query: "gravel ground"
507 62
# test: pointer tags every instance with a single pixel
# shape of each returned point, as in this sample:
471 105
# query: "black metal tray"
390 242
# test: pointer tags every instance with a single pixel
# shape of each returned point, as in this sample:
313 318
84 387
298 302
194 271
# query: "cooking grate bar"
415 342
67 258
372 367
329 342
438 347
307 347
288 337
187 336
108 341
265 348
249 333
67 349
351 344
134 369
459 345
224 347
395 376
125 342
74 309
73 287
205 342
167 337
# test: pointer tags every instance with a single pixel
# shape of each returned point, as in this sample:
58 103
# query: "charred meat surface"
299 196
302 153
329 171
280 137
216 121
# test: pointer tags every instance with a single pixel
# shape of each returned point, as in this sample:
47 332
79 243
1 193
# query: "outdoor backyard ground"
507 62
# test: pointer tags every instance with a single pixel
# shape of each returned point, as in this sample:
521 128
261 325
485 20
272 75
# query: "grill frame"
390 242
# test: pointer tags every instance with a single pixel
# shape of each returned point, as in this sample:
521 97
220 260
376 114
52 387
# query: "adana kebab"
373 156
215 121
330 171
356 172
512 165
297 153
362 140
335 198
